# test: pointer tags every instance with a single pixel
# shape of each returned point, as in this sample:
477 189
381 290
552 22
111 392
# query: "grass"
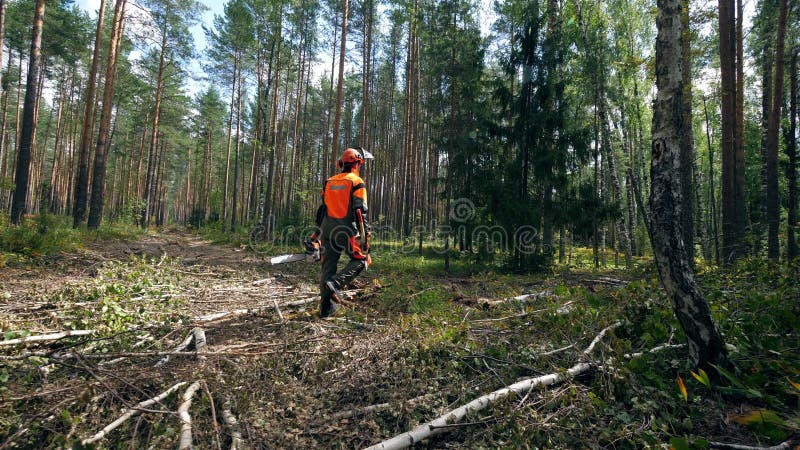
46 235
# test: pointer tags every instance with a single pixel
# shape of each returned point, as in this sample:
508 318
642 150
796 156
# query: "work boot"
328 308
334 288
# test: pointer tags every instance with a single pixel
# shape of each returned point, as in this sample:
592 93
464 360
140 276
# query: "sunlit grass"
48 234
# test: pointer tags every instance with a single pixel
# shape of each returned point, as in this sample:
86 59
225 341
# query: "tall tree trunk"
82 180
366 60
238 146
5 160
3 151
744 219
28 119
791 171
621 227
687 138
773 204
101 150
328 160
149 192
766 105
596 191
340 84
230 137
732 192
712 192
705 342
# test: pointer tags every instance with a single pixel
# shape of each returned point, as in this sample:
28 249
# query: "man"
341 221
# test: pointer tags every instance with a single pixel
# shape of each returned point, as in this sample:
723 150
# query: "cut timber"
440 424
46 337
130 413
185 441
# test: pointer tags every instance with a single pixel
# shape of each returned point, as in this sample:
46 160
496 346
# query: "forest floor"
412 344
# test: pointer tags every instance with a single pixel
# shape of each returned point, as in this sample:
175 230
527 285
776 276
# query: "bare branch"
130 412
46 337
185 441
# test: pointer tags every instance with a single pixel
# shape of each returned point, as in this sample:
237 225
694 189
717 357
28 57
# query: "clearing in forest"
170 339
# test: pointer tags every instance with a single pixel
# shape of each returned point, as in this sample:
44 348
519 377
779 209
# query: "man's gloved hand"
312 245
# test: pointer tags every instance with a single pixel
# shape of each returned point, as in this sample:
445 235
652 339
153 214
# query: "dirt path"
145 298
217 278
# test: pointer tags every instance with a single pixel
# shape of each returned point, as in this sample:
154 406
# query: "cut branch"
654 350
199 342
378 407
230 421
786 445
439 425
46 337
130 413
185 441
181 347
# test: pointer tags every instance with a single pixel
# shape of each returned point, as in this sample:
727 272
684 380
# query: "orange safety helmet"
354 155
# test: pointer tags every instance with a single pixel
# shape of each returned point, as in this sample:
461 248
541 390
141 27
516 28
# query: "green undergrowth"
46 234
122 297
216 233
638 404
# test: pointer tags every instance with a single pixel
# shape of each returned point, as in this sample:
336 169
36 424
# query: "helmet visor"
366 154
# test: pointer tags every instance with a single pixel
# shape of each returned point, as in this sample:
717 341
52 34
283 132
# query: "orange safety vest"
342 194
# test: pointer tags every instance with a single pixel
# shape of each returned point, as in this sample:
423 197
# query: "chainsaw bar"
292 257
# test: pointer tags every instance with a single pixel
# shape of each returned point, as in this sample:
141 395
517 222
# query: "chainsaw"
314 252
291 257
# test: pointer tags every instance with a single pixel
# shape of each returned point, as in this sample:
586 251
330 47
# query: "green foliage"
220 233
126 296
756 305
48 234
42 236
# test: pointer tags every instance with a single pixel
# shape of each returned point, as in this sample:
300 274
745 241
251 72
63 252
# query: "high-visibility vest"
339 194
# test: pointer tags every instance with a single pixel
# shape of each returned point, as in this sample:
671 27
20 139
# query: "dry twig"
46 337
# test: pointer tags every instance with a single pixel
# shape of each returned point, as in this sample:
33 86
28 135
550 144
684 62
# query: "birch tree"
706 346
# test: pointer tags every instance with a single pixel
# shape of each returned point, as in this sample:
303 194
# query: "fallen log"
46 337
185 440
440 424
130 412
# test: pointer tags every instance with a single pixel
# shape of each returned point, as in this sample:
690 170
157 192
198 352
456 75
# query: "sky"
214 8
